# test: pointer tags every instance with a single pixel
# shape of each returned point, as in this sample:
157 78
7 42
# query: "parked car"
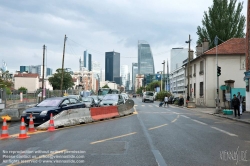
100 97
41 112
89 101
112 99
148 96
78 97
134 95
96 100
175 99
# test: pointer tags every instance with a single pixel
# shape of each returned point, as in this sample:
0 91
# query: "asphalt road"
152 136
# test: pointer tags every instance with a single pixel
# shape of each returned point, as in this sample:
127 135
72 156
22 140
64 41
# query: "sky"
98 26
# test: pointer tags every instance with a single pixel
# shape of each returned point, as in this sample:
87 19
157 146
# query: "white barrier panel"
69 118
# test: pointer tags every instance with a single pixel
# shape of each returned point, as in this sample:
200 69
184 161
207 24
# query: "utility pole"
168 87
63 65
43 73
188 66
217 90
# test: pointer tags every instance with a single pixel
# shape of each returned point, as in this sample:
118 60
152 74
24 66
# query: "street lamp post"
188 66
163 72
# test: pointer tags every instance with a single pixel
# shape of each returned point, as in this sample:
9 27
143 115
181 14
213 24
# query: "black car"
41 112
134 95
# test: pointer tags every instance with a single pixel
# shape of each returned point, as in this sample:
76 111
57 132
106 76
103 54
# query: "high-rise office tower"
112 65
124 74
134 72
145 59
178 55
87 60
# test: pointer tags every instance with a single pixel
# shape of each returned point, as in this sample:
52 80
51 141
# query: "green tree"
22 89
55 80
105 86
139 90
153 85
222 19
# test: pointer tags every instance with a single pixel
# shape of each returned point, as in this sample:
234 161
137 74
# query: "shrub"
160 95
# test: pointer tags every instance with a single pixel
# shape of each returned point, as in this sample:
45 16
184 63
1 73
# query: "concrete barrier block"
69 118
191 104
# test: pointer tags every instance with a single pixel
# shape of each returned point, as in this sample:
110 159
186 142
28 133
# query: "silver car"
112 99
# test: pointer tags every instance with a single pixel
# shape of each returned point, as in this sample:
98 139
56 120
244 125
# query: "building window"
201 89
194 89
194 70
201 66
190 90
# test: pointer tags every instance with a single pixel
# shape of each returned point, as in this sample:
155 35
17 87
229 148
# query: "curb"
239 120
218 115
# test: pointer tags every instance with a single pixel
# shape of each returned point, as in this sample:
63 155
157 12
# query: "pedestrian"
166 100
240 99
236 105
187 100
181 101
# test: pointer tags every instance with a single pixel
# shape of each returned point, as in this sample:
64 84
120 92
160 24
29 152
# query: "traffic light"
218 71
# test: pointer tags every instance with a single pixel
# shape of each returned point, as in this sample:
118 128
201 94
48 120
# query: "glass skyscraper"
87 60
134 72
112 65
145 59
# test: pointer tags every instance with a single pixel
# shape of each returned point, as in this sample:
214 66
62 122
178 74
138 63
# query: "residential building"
112 65
203 71
85 78
27 80
134 72
145 58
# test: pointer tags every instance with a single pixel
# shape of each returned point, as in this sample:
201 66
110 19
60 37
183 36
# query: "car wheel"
152 101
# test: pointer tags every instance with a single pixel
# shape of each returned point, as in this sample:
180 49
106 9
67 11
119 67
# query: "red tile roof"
32 75
229 47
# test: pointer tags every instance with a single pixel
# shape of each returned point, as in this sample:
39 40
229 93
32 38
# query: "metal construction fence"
16 100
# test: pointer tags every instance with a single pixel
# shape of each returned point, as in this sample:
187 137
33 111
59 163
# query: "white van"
148 96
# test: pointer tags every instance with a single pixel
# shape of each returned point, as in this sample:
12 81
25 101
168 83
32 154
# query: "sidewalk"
245 117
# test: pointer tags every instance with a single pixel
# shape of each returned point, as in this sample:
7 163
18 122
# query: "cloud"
96 26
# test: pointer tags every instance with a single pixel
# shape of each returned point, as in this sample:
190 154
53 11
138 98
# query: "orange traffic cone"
4 134
31 125
51 123
23 134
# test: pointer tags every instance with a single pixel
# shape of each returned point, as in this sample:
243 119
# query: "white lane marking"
142 105
157 127
185 116
223 131
150 106
175 119
135 105
199 122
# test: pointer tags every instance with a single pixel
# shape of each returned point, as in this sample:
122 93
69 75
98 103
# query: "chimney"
198 50
205 45
191 54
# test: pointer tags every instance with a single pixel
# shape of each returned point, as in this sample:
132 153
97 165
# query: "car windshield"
94 97
86 99
49 103
150 93
111 97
